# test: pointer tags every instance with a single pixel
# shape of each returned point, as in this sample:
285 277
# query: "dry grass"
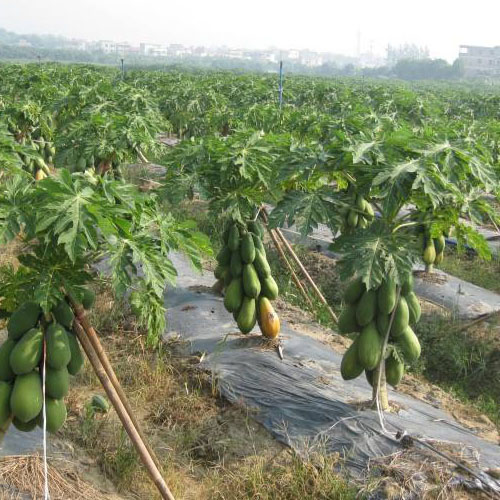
416 472
208 447
24 475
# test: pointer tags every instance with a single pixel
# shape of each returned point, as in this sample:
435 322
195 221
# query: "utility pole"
280 87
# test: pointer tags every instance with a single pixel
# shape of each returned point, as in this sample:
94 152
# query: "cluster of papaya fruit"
368 313
433 249
81 164
359 216
245 276
21 358
39 166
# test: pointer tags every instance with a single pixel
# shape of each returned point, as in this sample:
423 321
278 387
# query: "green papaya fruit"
401 319
386 296
429 253
360 202
234 295
366 308
413 308
24 426
56 413
354 291
226 277
439 244
350 367
269 288
347 320
233 241
81 164
58 350
100 403
6 373
258 244
236 265
235 314
251 282
23 319
224 256
369 374
394 370
383 323
352 219
369 346
368 209
27 353
26 399
247 316
256 228
88 298
362 222
225 234
439 258
63 314
77 361
409 344
5 392
247 250
261 265
56 383
407 286
219 271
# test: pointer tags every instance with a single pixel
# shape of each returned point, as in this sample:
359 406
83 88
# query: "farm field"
105 176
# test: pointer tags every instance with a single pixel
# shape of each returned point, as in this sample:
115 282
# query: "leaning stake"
122 413
101 353
302 268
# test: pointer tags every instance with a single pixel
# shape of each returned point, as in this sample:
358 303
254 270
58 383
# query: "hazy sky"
330 26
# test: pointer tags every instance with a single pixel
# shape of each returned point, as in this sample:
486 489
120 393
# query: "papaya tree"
235 175
380 307
112 129
69 224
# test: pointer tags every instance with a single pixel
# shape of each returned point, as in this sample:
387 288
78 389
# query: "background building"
479 61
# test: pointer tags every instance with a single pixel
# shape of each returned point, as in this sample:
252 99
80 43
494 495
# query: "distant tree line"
406 69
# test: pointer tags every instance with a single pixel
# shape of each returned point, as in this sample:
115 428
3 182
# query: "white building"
106 46
480 61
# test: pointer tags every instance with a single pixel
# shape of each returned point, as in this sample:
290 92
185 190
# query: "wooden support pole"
141 156
103 358
301 267
122 413
289 266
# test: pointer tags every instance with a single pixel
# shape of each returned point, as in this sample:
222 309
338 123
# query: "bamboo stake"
125 418
302 268
141 156
103 358
289 266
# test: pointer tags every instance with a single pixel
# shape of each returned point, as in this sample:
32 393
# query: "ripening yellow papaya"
269 321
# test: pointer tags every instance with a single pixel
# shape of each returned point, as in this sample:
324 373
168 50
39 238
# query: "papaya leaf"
374 253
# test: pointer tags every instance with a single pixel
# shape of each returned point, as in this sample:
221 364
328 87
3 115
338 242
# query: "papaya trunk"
429 268
382 393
